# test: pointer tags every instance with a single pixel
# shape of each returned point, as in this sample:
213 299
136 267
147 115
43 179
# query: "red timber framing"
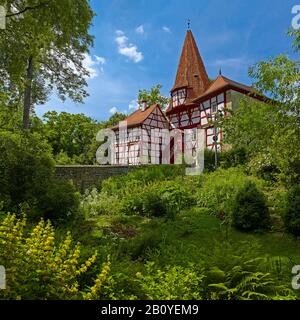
143 143
197 116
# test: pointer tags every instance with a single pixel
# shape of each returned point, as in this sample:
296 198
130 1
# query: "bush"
59 203
96 203
172 283
38 268
262 165
292 211
26 166
249 209
219 188
141 177
158 199
233 158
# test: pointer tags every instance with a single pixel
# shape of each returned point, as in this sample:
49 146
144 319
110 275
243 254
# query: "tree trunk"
27 94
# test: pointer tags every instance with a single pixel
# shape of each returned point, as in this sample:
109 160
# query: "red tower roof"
191 71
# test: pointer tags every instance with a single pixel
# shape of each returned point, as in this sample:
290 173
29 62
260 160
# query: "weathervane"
189 23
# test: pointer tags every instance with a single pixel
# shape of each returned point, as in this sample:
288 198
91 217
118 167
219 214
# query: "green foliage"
38 268
262 165
142 176
143 246
209 160
96 203
25 168
172 283
233 157
249 209
158 199
70 136
45 50
292 211
270 131
153 96
59 203
219 188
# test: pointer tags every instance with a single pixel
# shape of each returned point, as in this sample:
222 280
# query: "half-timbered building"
196 103
141 138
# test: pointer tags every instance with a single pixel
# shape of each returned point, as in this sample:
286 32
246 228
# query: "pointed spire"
189 24
220 72
191 71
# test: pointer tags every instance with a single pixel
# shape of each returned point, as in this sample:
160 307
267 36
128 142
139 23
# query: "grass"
193 237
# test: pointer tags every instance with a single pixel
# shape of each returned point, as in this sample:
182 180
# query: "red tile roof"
191 71
139 116
222 83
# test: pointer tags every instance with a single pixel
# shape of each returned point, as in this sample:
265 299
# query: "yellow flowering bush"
39 268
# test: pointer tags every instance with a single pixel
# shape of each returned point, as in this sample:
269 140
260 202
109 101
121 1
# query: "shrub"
219 189
95 203
142 246
249 209
292 211
233 157
59 203
209 160
158 199
141 177
38 268
171 283
26 166
262 165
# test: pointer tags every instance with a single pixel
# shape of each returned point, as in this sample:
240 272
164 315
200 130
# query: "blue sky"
138 44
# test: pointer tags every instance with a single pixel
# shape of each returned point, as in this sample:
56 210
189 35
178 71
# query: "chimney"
143 105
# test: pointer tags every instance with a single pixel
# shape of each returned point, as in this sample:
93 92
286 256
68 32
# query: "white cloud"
93 65
113 110
133 105
119 33
101 60
127 49
166 29
140 29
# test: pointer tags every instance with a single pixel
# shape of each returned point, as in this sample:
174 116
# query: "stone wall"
88 176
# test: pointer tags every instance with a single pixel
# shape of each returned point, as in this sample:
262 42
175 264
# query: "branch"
45 4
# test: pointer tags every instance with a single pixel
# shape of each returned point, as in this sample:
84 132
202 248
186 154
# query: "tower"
191 79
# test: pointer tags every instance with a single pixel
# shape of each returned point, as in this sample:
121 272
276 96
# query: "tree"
271 131
43 48
153 96
70 134
113 120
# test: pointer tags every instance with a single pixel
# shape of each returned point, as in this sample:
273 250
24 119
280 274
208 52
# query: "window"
220 98
206 104
214 105
179 97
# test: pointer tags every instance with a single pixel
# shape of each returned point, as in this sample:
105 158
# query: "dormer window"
179 97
